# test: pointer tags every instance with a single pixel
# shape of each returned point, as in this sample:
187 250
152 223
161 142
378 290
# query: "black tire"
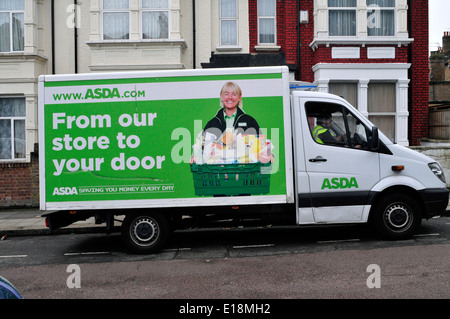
397 216
145 233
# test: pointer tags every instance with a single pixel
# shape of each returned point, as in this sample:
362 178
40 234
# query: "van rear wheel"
145 232
397 216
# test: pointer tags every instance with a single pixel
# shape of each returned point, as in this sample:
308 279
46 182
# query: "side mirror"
374 140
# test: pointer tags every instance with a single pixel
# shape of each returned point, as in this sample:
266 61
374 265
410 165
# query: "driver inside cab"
323 134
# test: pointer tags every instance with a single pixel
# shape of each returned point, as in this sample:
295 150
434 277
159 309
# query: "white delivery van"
176 149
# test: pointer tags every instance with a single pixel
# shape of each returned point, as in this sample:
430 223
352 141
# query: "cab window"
333 125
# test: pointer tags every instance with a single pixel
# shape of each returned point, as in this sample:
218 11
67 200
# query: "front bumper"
435 200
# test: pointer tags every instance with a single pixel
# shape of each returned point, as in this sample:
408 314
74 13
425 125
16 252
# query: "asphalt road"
281 262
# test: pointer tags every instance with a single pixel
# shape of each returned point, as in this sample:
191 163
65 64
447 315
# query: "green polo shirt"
229 119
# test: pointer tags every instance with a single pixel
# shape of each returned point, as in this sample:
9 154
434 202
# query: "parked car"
7 290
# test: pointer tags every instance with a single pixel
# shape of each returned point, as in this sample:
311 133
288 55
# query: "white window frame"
274 21
11 39
221 19
370 10
353 9
143 10
12 119
103 11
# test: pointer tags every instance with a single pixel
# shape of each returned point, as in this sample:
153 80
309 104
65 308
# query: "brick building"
367 50
364 50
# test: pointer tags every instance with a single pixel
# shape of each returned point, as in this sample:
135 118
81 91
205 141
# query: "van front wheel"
145 233
396 216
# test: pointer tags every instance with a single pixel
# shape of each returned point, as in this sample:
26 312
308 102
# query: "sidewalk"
28 221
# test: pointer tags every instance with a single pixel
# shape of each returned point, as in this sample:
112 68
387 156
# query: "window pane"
12 4
266 8
348 91
115 25
4 32
19 139
5 139
381 3
228 9
381 97
12 107
342 3
155 4
342 22
17 27
267 30
357 128
155 25
115 4
386 124
228 32
380 22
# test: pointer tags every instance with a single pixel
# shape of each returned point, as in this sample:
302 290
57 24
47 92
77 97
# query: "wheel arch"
404 189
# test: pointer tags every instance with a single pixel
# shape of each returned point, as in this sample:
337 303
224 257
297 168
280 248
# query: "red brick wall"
286 28
418 97
289 11
307 57
19 183
253 23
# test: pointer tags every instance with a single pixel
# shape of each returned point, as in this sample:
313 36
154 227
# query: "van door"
341 168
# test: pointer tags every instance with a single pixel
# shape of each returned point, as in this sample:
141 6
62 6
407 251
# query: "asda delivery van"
173 149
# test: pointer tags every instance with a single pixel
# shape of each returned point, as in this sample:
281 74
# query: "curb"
61 231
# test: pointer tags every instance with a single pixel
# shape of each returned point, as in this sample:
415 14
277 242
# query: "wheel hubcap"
398 217
145 231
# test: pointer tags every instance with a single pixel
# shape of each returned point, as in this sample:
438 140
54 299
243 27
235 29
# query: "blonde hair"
236 89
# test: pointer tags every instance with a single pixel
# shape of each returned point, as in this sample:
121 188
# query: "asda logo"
65 191
339 183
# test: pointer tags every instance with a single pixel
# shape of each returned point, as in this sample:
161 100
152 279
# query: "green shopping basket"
231 179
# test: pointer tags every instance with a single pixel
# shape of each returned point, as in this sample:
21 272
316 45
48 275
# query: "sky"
439 21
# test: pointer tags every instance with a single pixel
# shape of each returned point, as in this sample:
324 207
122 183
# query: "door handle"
317 159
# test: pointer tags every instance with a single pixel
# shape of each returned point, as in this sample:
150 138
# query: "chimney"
446 43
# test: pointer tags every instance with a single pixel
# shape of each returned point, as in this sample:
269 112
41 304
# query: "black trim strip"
336 199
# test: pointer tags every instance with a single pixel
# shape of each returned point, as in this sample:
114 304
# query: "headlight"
437 170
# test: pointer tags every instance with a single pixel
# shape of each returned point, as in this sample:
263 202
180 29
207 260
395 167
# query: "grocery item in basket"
232 147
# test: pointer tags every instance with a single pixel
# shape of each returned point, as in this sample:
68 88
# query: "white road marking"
254 246
424 235
88 253
337 241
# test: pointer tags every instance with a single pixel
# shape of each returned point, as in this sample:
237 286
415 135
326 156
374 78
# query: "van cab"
357 174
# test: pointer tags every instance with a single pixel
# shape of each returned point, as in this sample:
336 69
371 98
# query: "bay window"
155 19
116 19
342 17
12 25
381 17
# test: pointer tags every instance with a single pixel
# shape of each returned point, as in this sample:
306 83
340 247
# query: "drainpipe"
194 42
75 8
53 34
299 68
